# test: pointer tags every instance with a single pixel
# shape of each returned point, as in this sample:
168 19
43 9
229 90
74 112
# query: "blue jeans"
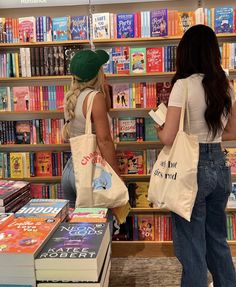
201 244
69 189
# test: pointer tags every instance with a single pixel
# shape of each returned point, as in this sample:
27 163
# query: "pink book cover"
27 31
21 98
154 58
121 95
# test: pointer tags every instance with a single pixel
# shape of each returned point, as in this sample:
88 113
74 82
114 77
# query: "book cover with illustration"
121 95
10 189
154 57
94 214
159 23
125 25
27 29
44 208
22 132
16 165
231 157
137 60
149 130
131 162
81 245
146 225
163 92
120 60
69 52
127 129
79 28
107 67
5 99
21 239
21 99
185 20
60 28
101 26
223 19
43 163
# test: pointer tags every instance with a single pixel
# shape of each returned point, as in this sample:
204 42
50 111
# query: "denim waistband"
210 147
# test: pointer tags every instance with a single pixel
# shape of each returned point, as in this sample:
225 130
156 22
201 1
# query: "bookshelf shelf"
35 147
38 179
149 248
163 210
30 115
138 177
224 36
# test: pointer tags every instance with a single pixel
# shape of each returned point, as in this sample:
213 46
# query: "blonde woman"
88 76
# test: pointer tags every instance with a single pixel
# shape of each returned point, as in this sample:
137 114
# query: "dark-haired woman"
201 244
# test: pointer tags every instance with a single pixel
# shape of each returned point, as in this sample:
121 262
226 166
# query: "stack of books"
13 195
20 241
5 219
77 254
45 208
81 214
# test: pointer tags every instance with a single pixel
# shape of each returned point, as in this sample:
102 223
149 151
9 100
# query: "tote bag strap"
88 123
185 108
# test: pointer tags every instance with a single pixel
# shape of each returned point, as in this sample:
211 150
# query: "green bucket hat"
85 64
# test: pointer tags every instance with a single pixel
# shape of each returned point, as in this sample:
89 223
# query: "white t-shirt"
196 105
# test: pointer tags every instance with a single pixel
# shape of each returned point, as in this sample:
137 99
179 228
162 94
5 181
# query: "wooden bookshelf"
163 210
149 248
30 115
39 179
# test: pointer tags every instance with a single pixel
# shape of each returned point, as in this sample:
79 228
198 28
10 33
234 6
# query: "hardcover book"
44 208
69 52
101 26
159 23
79 28
76 246
125 25
163 92
127 129
223 19
27 29
154 58
131 162
120 60
121 95
21 98
185 21
16 165
43 166
60 29
145 227
22 132
137 60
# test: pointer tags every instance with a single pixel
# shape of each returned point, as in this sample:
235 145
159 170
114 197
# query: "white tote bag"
97 184
173 183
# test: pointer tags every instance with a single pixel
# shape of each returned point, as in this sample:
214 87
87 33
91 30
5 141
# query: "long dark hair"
198 52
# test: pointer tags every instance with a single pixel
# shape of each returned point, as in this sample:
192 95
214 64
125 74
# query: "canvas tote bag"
97 184
173 183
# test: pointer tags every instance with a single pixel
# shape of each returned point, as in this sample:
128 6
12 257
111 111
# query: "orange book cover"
185 21
25 236
43 164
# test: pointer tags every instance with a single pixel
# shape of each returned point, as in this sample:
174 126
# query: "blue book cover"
159 23
223 20
60 28
125 26
120 60
79 27
107 67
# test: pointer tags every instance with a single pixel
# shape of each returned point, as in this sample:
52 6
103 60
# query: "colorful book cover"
79 245
121 94
5 219
21 97
44 208
154 58
25 236
131 162
16 165
27 29
223 19
79 27
149 130
185 21
146 227
163 92
60 28
120 60
101 26
22 132
127 129
10 189
125 25
159 23
4 99
137 60
89 215
107 67
231 157
43 164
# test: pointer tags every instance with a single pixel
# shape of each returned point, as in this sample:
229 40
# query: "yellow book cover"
16 165
141 194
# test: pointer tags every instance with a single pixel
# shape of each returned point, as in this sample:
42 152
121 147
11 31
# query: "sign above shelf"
48 3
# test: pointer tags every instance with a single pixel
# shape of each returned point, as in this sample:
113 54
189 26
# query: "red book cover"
27 29
154 59
163 92
43 163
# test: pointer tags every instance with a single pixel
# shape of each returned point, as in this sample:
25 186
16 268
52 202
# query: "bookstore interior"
42 240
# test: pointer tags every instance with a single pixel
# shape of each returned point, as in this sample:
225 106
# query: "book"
159 23
21 97
44 208
16 165
223 19
76 246
159 116
10 189
22 239
5 219
101 26
121 94
43 164
120 60
79 28
163 92
145 227
27 29
69 52
127 129
131 162
89 215
60 28
125 25
22 132
154 57
184 21
137 60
